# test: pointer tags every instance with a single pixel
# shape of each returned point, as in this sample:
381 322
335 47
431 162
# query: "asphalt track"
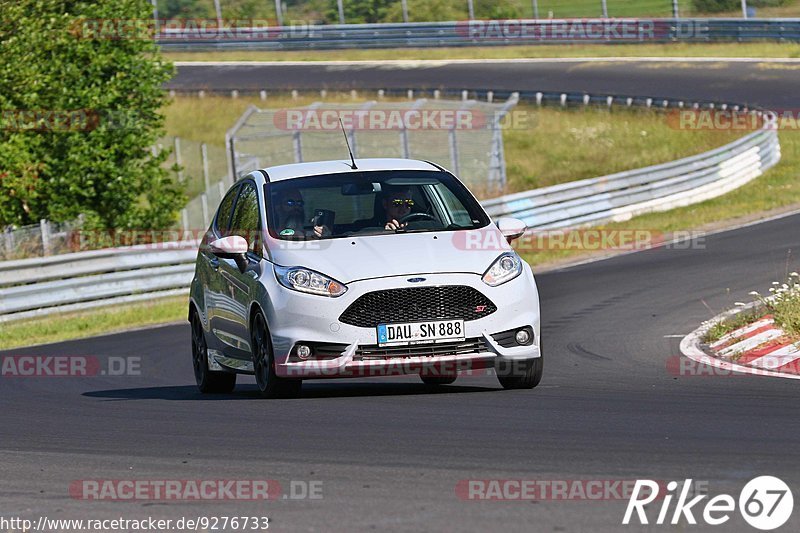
390 453
769 84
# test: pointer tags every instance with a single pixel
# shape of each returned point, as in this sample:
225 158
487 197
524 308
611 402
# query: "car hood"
358 258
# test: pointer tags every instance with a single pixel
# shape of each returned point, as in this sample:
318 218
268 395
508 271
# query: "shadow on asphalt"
310 390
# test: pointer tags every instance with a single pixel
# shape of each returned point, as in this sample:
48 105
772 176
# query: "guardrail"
620 196
479 33
77 281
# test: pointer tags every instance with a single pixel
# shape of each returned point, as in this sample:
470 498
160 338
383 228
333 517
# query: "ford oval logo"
415 280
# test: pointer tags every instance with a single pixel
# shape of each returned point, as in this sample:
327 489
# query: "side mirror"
233 247
511 228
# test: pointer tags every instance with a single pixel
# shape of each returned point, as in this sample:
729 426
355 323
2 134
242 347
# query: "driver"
397 203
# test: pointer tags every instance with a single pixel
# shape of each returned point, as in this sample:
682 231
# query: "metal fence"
464 135
419 10
484 33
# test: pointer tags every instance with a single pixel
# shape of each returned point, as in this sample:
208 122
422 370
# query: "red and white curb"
760 348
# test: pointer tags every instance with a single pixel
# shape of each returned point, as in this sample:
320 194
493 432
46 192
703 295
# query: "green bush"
53 64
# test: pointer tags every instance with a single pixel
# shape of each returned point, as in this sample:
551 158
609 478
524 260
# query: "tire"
438 380
208 382
269 384
521 375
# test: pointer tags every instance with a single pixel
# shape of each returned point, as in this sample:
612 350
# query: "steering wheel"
412 216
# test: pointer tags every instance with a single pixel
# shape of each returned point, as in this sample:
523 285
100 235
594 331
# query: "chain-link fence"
464 136
45 238
292 12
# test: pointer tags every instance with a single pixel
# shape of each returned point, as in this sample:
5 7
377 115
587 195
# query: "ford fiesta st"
376 267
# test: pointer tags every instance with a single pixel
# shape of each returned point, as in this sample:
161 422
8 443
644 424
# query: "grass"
739 320
778 188
784 304
77 325
733 50
543 146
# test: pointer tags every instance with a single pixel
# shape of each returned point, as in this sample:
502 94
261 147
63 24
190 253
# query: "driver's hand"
394 225
319 231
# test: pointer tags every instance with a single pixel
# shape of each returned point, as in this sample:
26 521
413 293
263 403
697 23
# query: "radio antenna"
347 141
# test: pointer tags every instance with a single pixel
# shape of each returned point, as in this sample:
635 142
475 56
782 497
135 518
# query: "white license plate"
420 332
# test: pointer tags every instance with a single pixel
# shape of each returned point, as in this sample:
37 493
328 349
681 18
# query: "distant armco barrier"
304 36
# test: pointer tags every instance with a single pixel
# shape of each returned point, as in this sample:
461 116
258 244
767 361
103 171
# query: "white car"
322 270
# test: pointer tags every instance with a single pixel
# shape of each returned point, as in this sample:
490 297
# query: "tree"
80 100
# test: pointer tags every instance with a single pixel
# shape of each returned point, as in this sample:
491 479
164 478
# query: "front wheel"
269 384
208 382
520 374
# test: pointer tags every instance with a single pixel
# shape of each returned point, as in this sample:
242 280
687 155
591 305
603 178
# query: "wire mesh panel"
461 135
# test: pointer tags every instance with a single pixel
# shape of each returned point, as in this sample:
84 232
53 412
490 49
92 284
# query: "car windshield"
370 203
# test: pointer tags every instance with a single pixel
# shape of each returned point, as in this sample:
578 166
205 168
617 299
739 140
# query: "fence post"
604 5
185 219
178 158
471 9
204 204
497 159
44 226
9 241
218 9
278 12
340 5
204 157
535 9
404 4
297 143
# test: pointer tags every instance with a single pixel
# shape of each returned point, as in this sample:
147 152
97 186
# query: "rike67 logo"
766 503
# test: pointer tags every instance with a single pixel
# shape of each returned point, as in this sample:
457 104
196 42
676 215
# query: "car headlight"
305 280
505 268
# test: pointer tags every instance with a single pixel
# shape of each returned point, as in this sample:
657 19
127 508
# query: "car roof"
302 170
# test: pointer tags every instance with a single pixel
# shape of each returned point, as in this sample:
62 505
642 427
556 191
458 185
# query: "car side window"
222 222
246 219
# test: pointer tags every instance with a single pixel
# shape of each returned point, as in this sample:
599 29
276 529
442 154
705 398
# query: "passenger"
289 208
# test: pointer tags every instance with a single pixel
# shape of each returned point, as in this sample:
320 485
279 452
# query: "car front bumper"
295 317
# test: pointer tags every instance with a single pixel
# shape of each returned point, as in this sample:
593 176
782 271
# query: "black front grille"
469 346
415 304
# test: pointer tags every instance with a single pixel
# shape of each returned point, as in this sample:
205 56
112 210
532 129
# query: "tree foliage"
100 164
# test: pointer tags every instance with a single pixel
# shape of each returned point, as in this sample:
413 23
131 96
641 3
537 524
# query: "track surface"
768 84
390 453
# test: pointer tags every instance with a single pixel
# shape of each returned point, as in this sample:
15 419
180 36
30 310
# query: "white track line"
735 334
778 358
752 342
410 63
